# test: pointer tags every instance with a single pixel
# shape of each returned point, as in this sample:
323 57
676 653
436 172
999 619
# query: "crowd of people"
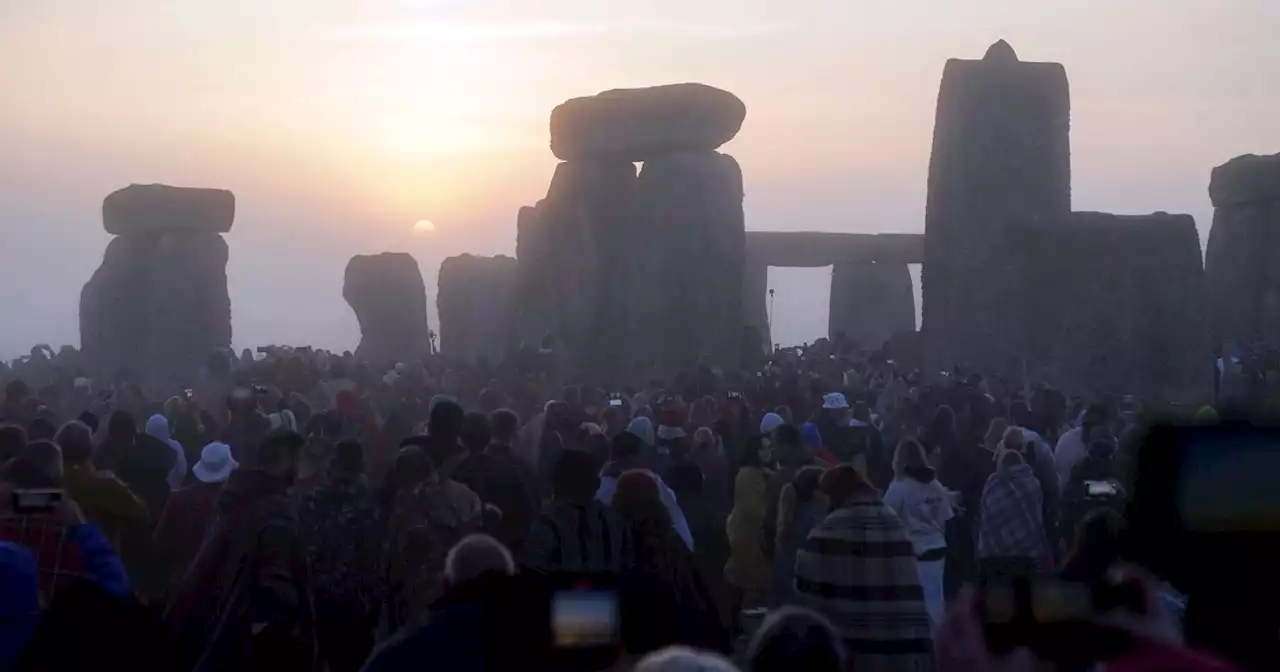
294 509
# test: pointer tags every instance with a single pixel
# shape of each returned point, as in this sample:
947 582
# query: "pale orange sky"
341 124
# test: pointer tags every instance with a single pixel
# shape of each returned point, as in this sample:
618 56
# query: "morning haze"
339 126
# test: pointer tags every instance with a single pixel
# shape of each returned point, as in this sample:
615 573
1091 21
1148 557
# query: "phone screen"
1099 488
615 402
584 618
36 501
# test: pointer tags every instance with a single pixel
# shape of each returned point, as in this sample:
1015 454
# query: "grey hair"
684 659
475 555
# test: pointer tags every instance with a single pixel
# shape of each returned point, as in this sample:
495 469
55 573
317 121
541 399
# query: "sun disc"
424 226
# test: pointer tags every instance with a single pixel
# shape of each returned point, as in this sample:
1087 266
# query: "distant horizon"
340 126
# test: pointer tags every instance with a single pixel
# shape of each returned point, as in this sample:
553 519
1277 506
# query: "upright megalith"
640 124
475 299
158 305
1244 280
610 262
1119 305
692 256
389 298
870 302
1001 160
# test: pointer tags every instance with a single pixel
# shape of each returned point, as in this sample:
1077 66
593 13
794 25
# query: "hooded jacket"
158 427
923 505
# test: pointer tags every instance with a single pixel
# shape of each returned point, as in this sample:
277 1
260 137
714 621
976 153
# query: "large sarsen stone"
160 208
389 298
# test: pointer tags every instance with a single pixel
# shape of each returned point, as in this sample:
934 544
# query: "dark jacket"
250 570
571 537
491 623
505 483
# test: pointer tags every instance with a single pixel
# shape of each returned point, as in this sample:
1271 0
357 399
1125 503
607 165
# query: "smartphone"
584 618
41 500
615 402
1100 488
188 395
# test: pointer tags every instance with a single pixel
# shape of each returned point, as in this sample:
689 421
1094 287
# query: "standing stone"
692 259
1120 306
641 124
870 302
474 299
390 301
1244 280
572 249
1001 160
158 305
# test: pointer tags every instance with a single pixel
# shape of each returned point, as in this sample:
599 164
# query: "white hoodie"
924 509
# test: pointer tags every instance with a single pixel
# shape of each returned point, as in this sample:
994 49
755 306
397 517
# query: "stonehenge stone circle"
640 124
389 298
1244 280
1001 160
158 305
474 298
870 302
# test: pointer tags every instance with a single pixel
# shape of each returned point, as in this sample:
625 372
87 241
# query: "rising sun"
424 226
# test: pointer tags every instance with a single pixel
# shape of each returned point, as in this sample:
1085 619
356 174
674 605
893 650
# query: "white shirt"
1070 452
924 509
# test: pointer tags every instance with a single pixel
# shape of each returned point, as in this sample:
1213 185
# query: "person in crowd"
627 454
1011 536
862 549
664 600
246 599
142 461
41 428
749 570
444 434
313 463
708 529
684 659
158 428
341 532
34 572
13 439
38 466
186 515
708 454
486 618
576 534
105 499
1074 444
789 456
1037 454
1095 483
801 507
924 505
795 638
429 515
502 482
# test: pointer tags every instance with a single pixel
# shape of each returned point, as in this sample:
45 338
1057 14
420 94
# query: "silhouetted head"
76 442
795 638
575 477
504 426
475 431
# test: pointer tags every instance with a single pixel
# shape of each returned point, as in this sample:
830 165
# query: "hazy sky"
338 124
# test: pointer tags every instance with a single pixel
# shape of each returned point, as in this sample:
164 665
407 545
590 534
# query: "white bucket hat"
216 463
835 400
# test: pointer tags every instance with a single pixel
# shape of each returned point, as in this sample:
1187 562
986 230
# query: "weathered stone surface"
389 298
159 208
870 302
1246 179
572 249
157 307
640 124
1243 278
475 301
692 259
1119 305
1001 160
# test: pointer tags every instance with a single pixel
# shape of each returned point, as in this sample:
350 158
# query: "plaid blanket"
859 570
1012 525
